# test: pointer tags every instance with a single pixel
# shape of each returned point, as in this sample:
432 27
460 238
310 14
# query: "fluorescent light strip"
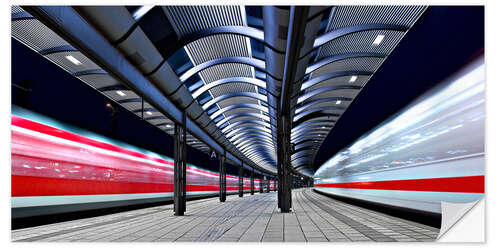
73 60
149 113
141 11
338 102
119 92
353 78
378 40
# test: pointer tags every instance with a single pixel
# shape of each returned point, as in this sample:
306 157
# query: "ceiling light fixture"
119 92
338 102
141 11
378 40
149 113
353 78
73 60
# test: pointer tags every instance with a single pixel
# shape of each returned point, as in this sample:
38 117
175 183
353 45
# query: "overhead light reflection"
378 40
141 11
73 60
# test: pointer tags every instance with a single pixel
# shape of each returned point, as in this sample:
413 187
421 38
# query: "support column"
240 181
252 184
180 167
222 177
284 165
261 186
268 183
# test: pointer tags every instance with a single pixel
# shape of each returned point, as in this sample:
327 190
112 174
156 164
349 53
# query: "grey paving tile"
314 218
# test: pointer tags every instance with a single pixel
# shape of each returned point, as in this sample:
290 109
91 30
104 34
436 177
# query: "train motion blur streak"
58 168
432 151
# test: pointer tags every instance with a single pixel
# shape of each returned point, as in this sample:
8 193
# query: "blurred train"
58 168
432 151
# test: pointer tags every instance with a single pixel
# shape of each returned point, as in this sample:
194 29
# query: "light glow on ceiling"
141 11
119 92
378 40
73 60
353 78
149 113
338 102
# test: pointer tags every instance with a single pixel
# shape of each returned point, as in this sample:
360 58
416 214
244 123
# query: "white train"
432 151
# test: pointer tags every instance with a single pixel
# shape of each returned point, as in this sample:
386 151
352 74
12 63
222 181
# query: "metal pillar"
252 184
180 167
284 165
222 177
261 186
240 181
289 88
268 183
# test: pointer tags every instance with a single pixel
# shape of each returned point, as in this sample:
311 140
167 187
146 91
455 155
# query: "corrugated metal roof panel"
366 14
218 46
35 35
189 19
362 42
351 64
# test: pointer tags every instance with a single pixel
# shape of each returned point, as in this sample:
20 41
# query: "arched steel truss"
232 95
254 136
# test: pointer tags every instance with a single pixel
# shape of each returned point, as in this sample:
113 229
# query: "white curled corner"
452 213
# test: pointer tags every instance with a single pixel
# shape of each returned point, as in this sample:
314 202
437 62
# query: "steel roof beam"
234 94
231 134
254 62
239 115
318 109
322 90
312 122
232 125
307 105
209 86
329 76
257 108
335 58
315 115
246 31
238 139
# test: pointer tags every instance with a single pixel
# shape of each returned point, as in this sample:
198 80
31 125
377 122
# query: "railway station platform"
253 218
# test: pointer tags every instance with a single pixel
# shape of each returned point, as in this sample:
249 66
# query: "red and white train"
58 168
430 152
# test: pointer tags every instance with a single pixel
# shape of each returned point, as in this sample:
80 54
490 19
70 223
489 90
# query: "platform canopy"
224 66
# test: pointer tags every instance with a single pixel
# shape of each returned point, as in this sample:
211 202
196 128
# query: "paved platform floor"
253 218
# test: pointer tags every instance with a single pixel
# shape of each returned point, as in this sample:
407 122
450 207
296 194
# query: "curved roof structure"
224 66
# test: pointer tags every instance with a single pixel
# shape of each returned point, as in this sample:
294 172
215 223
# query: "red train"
58 168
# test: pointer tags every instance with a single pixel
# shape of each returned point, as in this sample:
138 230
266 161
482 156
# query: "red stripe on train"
42 186
52 131
48 130
463 184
